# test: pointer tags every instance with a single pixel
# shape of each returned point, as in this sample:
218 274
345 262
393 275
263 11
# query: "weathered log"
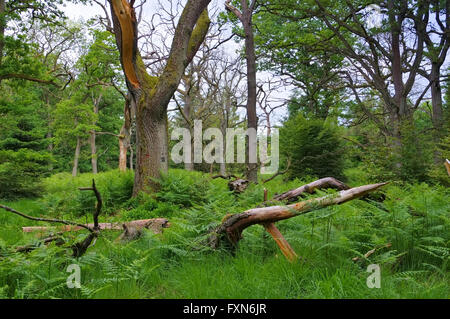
237 186
327 182
27 248
133 230
155 224
49 220
232 227
98 206
447 166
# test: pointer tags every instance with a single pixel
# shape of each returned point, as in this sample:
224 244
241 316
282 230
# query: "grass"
413 218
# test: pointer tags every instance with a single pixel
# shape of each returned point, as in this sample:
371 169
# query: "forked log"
232 227
78 248
286 249
237 186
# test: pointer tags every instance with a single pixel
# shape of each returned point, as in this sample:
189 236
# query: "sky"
85 12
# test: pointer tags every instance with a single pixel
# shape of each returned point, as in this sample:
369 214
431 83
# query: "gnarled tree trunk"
76 157
230 231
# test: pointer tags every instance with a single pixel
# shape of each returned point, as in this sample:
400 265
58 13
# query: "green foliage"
73 120
313 146
438 172
413 218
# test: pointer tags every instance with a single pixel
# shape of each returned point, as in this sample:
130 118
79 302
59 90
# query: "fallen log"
237 186
327 182
27 248
447 166
232 227
279 172
155 224
286 249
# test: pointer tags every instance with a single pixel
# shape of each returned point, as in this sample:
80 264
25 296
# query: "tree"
436 53
313 147
152 94
245 15
73 123
16 18
24 154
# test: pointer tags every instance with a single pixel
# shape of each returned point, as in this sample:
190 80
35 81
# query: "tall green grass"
177 264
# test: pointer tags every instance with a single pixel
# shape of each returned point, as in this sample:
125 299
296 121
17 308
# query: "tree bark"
152 94
286 249
327 182
92 139
125 136
252 120
158 223
76 157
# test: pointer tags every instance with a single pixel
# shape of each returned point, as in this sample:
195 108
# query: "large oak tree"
150 94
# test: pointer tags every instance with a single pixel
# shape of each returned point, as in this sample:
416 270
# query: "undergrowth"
413 219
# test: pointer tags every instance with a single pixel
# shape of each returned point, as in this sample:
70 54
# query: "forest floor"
414 219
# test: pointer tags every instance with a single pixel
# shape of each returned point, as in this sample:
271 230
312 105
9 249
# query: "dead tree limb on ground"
156 225
78 248
230 231
279 172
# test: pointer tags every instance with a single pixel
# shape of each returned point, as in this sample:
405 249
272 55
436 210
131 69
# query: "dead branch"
286 249
447 166
225 177
80 248
372 251
232 227
27 248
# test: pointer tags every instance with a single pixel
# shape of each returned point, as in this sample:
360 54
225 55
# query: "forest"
243 149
